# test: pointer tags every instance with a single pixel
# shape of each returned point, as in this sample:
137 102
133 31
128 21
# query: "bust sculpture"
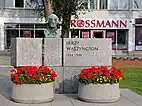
52 31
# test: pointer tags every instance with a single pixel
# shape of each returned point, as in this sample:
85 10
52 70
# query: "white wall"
9 3
1 3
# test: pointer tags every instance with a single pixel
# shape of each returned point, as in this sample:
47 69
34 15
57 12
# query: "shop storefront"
31 30
116 29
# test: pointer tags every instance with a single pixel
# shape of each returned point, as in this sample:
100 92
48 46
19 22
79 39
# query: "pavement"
5 58
128 98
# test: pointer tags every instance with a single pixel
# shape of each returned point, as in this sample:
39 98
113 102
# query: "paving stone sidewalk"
128 98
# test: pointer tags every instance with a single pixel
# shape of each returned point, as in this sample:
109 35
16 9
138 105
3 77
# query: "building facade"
18 19
120 20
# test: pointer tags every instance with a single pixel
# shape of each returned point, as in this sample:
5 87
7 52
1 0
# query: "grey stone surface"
13 51
5 71
124 102
3 101
59 81
53 51
26 51
1 3
61 100
6 86
44 104
71 100
71 75
5 60
11 103
137 99
97 52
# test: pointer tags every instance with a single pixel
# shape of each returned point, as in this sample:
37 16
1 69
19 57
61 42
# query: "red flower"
46 70
19 69
114 78
27 68
90 75
38 78
83 77
28 77
16 80
13 71
34 75
41 74
53 76
106 73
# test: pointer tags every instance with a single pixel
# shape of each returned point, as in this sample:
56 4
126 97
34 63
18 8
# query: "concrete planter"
33 93
99 92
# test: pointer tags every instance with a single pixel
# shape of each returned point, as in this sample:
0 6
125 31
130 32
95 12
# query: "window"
19 3
122 39
85 33
137 4
119 39
112 34
109 4
23 3
138 37
98 4
23 30
119 4
75 33
93 4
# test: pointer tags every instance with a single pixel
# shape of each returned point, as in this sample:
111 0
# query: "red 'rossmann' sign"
98 23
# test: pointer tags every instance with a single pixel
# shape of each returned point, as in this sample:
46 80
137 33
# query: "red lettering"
93 23
100 24
80 23
87 22
115 23
107 24
73 23
123 24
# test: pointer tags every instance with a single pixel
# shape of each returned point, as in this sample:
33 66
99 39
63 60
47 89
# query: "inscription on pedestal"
87 52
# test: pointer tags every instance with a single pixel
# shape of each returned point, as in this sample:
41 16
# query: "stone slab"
71 76
53 51
61 100
70 100
87 52
6 89
11 103
137 99
43 104
26 51
59 81
3 101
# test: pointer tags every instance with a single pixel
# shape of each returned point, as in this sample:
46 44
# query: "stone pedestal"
26 52
53 52
87 52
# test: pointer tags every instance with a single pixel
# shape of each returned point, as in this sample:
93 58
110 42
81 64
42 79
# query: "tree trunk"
66 26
